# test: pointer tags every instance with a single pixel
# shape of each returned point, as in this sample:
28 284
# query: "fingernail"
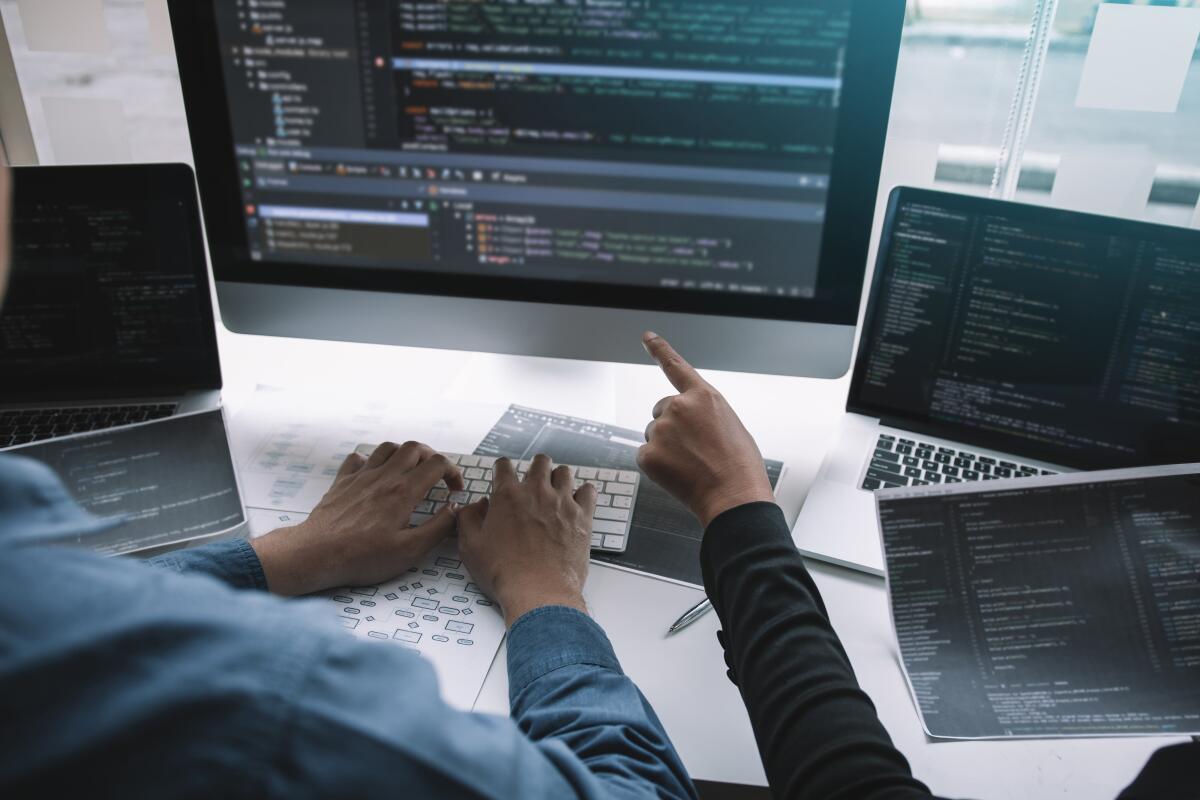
453 507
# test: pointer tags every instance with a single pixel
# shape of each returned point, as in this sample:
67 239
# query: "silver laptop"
1003 341
108 318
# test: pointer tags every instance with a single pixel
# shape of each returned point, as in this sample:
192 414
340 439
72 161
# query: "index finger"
503 473
679 372
436 468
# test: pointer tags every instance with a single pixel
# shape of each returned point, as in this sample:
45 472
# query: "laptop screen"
109 292
1044 333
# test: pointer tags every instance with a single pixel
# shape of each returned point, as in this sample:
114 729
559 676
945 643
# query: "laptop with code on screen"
1002 341
108 319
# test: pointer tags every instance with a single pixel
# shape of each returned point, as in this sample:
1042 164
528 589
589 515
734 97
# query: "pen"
691 615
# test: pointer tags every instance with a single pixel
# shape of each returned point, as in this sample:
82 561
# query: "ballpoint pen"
691 615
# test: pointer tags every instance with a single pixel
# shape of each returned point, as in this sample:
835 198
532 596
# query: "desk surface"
684 676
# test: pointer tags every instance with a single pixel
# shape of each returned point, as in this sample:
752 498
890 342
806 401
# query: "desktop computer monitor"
544 177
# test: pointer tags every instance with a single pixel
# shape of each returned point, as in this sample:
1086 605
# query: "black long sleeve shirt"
817 731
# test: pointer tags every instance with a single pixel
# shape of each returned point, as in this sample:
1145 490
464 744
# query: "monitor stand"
586 389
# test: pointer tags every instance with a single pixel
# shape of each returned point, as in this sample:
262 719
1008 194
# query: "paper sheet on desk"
434 609
289 446
1056 606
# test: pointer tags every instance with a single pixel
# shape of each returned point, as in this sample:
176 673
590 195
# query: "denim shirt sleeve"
234 562
568 693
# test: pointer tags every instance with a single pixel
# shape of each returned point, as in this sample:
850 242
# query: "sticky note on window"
85 130
1139 58
1111 181
65 26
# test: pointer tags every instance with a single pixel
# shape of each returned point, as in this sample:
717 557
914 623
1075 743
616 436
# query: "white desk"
684 676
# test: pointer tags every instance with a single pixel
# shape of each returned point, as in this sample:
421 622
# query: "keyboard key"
1003 472
924 452
911 461
627 477
886 438
908 442
607 526
884 446
1008 465
884 455
614 542
621 514
619 488
607 474
986 460
912 472
965 463
886 477
933 477
871 484
953 480
886 466
970 475
904 449
622 502
929 465
603 500
949 470
942 458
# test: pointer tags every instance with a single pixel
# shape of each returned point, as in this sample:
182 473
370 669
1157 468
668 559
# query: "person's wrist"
293 561
718 502
520 604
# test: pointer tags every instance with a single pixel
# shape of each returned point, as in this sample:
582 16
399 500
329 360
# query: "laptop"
108 318
1003 341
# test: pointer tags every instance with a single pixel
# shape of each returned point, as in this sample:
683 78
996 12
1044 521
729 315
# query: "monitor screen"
642 154
109 292
1040 332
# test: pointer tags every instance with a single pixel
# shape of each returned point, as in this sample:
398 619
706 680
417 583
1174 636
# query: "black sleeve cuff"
734 530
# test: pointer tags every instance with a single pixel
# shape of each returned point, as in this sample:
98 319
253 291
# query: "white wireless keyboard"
616 491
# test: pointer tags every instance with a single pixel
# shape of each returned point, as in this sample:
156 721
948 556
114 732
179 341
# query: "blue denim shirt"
180 677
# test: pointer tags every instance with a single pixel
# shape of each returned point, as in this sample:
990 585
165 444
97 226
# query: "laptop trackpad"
838 524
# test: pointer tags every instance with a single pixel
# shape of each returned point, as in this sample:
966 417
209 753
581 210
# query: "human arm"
149 683
817 732
357 535
528 548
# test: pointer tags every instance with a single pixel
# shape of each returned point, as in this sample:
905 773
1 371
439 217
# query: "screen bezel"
969 204
171 183
870 69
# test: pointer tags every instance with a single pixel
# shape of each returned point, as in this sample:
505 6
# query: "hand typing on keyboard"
528 545
616 493
359 533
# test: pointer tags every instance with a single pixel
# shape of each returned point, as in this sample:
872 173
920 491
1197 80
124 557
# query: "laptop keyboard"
910 462
34 424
